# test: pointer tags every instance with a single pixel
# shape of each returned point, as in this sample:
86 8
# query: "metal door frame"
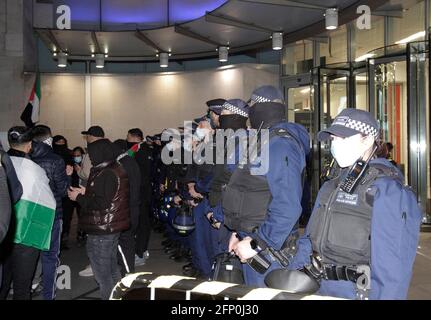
416 104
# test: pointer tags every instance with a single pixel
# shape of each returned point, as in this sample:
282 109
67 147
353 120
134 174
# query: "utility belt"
360 274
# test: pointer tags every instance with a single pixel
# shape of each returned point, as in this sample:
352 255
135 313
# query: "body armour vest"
246 198
340 230
221 177
116 218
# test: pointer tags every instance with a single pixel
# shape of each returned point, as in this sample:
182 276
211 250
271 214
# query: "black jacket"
144 158
55 170
15 187
5 205
106 183
133 173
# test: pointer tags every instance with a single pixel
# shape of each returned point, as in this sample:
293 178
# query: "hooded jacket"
55 169
105 204
5 206
15 187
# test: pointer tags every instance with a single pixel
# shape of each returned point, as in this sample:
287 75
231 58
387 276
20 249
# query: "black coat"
15 187
144 158
5 204
106 183
55 170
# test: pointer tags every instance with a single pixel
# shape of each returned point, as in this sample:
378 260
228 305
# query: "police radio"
355 174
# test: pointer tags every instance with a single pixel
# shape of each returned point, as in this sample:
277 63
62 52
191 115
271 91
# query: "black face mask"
232 121
60 148
267 114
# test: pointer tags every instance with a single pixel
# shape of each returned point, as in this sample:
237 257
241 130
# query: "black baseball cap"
95 131
350 122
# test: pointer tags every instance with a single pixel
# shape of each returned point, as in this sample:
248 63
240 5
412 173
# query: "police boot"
181 256
172 249
192 272
188 266
166 242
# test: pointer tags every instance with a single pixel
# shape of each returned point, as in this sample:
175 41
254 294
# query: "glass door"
419 123
399 89
330 96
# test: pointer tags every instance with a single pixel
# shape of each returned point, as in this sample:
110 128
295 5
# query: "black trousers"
68 207
19 267
144 229
127 243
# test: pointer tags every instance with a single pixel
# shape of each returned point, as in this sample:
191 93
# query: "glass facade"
384 70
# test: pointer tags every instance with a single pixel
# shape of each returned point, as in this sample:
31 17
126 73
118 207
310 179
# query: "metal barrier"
150 286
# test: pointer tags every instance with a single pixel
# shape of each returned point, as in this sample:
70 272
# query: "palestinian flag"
35 211
135 148
30 115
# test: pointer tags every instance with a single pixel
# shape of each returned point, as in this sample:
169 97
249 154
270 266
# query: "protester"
105 212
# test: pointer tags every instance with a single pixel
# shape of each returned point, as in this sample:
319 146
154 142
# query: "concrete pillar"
16 34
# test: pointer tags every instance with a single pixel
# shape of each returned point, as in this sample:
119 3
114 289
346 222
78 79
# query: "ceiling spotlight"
331 18
164 59
54 54
277 41
222 54
100 60
62 60
106 55
92 55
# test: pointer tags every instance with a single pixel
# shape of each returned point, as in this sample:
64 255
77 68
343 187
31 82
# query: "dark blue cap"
237 106
216 105
266 94
350 122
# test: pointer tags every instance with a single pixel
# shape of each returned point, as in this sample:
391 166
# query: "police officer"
263 209
199 179
233 117
363 233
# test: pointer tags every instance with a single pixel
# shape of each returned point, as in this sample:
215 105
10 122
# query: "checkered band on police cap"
242 111
259 99
362 127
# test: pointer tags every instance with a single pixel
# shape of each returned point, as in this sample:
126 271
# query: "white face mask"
347 151
48 141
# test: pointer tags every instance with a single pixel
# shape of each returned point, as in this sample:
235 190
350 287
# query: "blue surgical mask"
77 159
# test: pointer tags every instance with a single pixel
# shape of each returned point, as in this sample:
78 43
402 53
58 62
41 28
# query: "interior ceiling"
111 25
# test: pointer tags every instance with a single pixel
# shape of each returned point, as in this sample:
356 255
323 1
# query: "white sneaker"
87 272
140 261
146 254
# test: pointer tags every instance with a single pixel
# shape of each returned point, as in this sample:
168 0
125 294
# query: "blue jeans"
102 252
51 261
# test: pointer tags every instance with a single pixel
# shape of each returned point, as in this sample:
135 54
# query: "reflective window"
297 57
335 50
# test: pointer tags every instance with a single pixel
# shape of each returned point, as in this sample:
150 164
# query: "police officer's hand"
233 241
243 250
177 200
214 223
195 194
